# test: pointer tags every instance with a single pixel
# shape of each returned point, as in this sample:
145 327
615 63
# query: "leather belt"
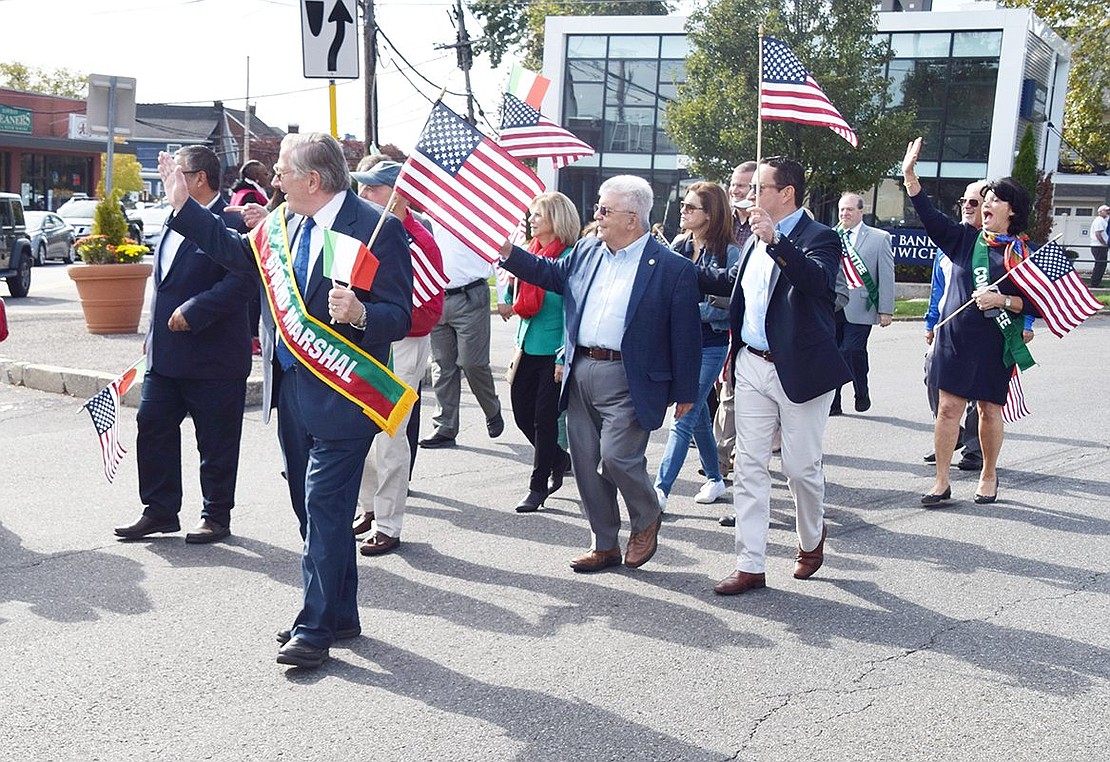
599 353
765 354
467 287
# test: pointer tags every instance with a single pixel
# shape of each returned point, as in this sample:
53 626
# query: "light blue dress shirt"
606 306
757 286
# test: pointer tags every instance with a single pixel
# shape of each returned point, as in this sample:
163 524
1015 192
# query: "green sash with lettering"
860 268
1014 349
345 367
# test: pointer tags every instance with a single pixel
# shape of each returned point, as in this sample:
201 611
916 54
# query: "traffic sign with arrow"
329 48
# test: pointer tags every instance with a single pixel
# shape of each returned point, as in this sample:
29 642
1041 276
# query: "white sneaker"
662 499
710 491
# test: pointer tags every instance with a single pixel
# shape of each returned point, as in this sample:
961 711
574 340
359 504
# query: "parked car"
51 237
154 219
79 213
15 245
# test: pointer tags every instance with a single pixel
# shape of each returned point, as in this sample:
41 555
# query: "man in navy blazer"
197 361
633 347
324 436
786 366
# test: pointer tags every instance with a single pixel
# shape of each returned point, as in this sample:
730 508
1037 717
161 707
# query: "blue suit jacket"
214 303
388 304
800 327
661 346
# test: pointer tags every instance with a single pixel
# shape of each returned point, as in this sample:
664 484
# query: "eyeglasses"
605 211
279 173
972 202
191 171
690 207
753 188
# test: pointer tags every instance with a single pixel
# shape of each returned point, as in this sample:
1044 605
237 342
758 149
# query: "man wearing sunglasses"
633 347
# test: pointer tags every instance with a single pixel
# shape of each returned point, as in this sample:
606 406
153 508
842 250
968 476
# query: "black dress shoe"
495 425
531 503
283 636
863 404
987 499
936 498
146 525
930 458
299 653
562 468
970 463
207 531
436 441
728 520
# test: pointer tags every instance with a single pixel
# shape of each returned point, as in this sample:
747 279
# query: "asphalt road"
970 633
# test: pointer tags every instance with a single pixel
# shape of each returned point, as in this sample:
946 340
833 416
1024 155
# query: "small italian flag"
528 86
347 260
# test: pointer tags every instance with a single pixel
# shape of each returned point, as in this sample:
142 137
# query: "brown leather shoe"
642 545
379 544
807 562
596 560
740 582
207 531
362 523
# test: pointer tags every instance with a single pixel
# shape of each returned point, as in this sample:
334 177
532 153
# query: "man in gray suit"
869 253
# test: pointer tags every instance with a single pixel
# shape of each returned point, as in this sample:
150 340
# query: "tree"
510 25
126 174
1086 25
64 82
714 117
1025 163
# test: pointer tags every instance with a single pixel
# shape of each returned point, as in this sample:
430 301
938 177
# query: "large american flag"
788 93
427 279
528 134
1015 408
467 183
103 407
1048 279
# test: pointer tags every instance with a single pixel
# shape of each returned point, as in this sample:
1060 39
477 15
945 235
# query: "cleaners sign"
15 119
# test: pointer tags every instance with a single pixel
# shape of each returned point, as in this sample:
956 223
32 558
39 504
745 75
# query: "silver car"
51 237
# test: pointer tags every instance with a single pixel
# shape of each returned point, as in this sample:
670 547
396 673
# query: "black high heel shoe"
986 499
936 498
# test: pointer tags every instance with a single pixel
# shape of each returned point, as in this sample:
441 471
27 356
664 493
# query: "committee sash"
345 367
856 261
1014 350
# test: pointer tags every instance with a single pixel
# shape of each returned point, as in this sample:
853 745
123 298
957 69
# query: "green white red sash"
343 366
856 262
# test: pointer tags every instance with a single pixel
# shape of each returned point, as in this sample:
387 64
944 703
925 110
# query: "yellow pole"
331 103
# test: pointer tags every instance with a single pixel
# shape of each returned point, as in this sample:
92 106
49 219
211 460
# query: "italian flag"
528 86
347 260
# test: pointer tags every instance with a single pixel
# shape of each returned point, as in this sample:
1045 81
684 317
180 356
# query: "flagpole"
759 117
992 285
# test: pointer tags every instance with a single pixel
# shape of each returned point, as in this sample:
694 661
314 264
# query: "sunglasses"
605 211
690 207
972 202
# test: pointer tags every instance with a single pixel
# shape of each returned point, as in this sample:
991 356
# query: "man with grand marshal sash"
324 349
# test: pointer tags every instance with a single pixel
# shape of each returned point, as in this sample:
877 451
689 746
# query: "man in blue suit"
786 366
633 347
198 357
324 435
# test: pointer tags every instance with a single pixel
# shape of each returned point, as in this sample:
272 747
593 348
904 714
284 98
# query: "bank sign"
912 246
15 119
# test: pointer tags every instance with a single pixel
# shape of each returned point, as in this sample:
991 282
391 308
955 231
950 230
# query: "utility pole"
370 60
247 117
464 52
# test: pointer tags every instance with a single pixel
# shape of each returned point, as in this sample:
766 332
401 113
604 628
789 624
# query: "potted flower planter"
112 296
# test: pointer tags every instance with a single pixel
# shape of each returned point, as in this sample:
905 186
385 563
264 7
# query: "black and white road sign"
329 39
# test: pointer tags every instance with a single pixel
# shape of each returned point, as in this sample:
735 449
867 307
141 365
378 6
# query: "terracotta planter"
112 296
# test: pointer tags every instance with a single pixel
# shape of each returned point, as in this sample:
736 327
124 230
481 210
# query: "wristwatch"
1006 304
360 324
775 238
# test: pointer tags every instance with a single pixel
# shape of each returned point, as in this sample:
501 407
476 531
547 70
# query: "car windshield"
34 219
77 209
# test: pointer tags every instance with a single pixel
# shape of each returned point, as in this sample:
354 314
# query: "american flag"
427 279
103 407
850 273
789 93
1048 279
467 183
528 134
1015 408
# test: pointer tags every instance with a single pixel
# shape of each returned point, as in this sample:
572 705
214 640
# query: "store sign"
912 246
79 128
15 119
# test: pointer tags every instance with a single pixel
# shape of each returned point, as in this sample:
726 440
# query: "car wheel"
40 255
71 253
20 283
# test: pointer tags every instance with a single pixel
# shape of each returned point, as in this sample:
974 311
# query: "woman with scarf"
537 366
975 354
706 218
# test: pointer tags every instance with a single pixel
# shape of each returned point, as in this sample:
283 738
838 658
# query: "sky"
195 51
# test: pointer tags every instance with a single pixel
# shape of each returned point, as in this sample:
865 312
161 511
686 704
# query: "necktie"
300 272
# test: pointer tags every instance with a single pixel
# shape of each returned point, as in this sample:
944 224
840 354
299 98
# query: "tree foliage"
127 174
1086 25
714 117
1025 163
517 25
64 82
